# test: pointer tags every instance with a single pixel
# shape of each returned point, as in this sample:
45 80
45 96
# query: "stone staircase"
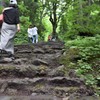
36 74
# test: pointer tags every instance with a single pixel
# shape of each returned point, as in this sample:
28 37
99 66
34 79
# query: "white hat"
13 2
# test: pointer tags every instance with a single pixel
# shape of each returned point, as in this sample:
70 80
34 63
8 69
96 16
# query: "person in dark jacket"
10 26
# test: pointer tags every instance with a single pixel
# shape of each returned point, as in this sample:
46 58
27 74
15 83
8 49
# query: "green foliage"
88 66
80 19
67 59
22 36
1 8
23 9
47 27
86 71
89 46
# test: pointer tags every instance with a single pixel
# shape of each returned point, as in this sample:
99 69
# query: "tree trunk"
81 12
53 19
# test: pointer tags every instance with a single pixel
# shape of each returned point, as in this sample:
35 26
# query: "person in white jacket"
35 34
30 32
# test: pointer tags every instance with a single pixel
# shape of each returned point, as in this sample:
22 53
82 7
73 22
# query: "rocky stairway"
36 74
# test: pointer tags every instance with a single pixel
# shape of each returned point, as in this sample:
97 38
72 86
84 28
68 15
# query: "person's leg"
36 37
7 37
33 41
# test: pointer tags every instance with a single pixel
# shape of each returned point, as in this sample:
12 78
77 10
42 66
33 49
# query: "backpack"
1 19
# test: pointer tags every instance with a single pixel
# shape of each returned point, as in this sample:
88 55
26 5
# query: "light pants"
35 38
7 37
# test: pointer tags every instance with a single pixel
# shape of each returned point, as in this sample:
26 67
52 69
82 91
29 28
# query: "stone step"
22 71
26 86
39 97
47 97
58 81
30 71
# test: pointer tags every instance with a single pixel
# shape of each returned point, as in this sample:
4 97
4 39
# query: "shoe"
13 58
10 55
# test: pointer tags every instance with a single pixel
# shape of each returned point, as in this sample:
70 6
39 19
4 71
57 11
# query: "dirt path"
37 73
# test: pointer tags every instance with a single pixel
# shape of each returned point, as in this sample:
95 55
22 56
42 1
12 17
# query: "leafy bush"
22 36
88 66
